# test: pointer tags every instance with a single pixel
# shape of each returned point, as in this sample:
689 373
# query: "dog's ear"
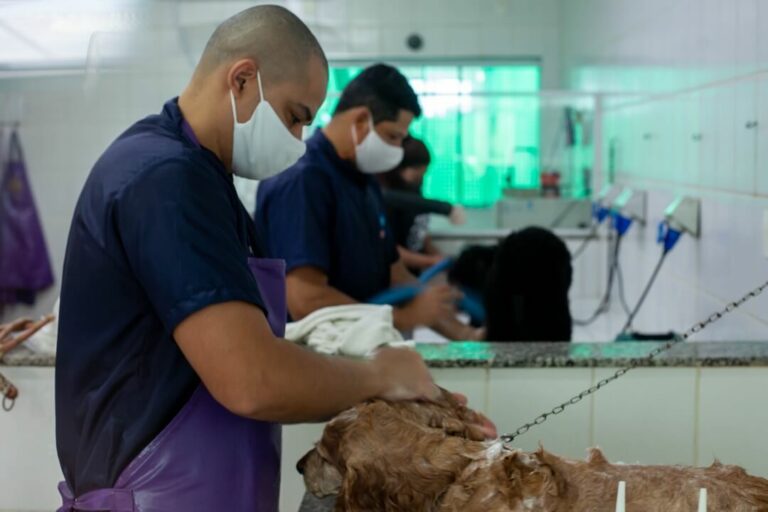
320 477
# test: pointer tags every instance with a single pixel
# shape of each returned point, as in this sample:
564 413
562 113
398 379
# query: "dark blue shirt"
158 234
324 213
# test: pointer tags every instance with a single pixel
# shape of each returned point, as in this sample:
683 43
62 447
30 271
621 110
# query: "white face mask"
262 146
373 155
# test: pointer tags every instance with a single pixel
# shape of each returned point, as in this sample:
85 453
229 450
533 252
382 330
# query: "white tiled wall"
709 58
29 466
660 45
659 420
66 123
699 276
727 394
450 28
519 395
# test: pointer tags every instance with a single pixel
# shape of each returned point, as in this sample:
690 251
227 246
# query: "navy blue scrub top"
324 213
158 234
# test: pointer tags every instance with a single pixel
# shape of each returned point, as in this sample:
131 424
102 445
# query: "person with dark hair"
408 210
326 217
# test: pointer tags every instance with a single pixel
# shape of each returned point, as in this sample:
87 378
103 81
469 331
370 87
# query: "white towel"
44 340
353 330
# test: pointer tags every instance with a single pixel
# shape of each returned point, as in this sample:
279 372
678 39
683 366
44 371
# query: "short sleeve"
294 218
179 231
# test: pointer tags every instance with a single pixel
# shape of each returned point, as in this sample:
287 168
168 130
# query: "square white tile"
761 171
29 472
469 381
518 395
647 416
733 418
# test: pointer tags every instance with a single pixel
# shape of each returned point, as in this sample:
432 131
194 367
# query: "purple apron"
207 458
25 268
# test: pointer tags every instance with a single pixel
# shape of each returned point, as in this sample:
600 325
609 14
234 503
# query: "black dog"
524 282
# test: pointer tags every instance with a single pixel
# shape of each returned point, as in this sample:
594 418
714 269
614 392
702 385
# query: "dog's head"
471 268
322 467
346 453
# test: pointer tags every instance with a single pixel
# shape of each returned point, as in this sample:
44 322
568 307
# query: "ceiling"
37 34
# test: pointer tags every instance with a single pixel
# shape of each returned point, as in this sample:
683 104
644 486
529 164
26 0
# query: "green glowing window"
482 132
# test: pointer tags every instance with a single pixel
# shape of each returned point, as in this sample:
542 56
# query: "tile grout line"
704 291
593 376
697 414
668 185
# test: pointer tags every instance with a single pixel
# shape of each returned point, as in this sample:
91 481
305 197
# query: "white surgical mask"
262 146
373 155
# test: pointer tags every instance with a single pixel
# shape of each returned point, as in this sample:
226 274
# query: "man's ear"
242 74
361 120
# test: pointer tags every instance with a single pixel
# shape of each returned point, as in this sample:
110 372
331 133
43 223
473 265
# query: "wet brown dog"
391 457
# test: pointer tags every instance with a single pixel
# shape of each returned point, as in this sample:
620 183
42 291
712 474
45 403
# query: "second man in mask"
325 215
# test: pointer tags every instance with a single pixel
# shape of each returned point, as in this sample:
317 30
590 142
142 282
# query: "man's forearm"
430 247
306 298
400 275
415 204
254 374
413 259
306 386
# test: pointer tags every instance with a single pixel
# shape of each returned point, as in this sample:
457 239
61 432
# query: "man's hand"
458 215
403 375
417 260
486 426
429 308
474 333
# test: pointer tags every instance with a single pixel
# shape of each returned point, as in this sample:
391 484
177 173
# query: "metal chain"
9 392
634 363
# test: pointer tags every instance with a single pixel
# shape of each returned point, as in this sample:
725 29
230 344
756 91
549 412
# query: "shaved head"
262 54
275 38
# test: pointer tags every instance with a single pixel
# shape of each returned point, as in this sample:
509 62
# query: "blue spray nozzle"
621 223
671 239
668 236
600 212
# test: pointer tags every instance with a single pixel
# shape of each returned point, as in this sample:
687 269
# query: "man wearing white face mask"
325 216
171 377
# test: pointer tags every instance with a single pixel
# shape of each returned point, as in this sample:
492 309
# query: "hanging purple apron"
25 268
207 458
